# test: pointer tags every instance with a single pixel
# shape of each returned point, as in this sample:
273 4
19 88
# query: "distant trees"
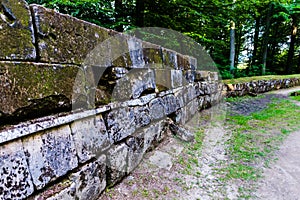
266 32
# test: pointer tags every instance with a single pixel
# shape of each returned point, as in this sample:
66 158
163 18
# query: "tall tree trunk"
140 8
119 15
266 39
292 47
255 41
232 46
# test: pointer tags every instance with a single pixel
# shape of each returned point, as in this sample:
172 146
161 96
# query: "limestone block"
136 150
183 62
31 89
87 183
152 55
141 115
116 163
120 123
90 137
180 95
202 75
189 76
169 59
135 47
171 104
15 179
134 84
50 155
157 109
17 37
154 134
65 39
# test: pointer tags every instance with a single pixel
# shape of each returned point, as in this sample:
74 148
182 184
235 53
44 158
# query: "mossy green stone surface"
16 31
65 39
23 83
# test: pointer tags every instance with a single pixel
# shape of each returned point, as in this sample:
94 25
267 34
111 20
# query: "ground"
235 155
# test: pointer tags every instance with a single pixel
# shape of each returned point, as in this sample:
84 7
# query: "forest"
244 38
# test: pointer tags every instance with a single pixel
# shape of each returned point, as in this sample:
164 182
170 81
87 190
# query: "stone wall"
261 86
80 104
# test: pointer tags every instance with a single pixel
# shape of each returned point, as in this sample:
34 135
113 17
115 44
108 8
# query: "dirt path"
172 171
282 180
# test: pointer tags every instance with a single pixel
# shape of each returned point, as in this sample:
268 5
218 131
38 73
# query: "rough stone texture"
64 39
152 55
88 183
171 104
181 132
136 150
261 86
134 84
202 76
183 62
116 163
90 137
16 38
136 52
157 108
50 155
120 123
15 179
35 89
169 58
167 79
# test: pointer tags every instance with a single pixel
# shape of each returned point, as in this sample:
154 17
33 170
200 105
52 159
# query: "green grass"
256 137
256 78
296 98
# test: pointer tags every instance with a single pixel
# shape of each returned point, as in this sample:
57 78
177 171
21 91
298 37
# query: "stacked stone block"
80 104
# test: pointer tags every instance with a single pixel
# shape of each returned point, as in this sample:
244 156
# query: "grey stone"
162 160
169 58
90 137
136 52
17 35
120 123
88 183
189 76
157 109
181 132
134 84
177 79
152 55
171 104
15 179
116 163
142 116
136 150
50 155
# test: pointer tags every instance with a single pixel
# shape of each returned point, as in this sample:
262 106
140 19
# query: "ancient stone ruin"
75 116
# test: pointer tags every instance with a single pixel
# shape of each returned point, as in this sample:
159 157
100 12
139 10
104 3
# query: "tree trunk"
255 41
232 46
292 47
266 39
140 7
119 15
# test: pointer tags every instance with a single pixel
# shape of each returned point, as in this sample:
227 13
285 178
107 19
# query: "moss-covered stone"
65 39
35 86
16 31
152 55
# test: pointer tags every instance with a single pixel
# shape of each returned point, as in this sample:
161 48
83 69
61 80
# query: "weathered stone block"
189 76
134 84
171 104
65 39
15 179
152 55
90 137
50 155
135 47
120 123
88 183
169 59
183 62
31 89
116 163
202 75
157 108
136 150
17 37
